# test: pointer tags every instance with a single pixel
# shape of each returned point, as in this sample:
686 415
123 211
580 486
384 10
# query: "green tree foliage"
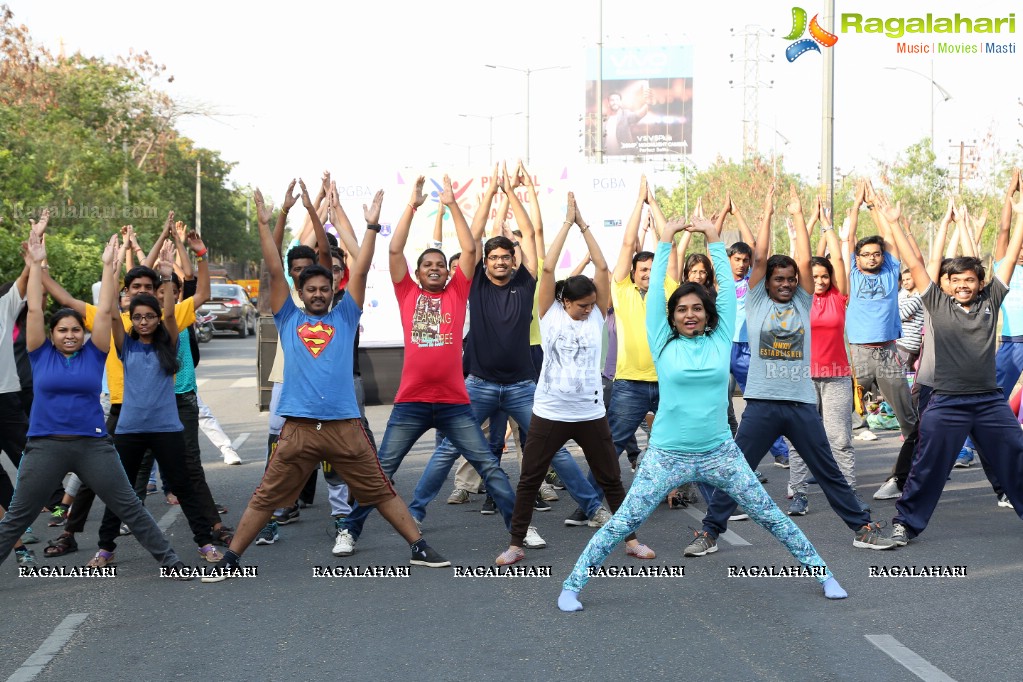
95 142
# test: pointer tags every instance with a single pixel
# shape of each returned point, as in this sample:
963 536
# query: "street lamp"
946 95
491 120
528 73
774 148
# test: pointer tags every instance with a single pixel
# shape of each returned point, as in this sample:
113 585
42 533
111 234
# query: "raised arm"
680 253
1008 264
802 242
762 248
578 269
179 233
135 248
834 254
154 253
282 218
166 269
396 249
967 243
497 226
479 219
938 247
545 286
107 297
534 209
339 219
859 196
202 284
601 280
469 245
360 270
744 232
35 330
525 225
624 265
910 259
322 245
271 253
1005 220
438 228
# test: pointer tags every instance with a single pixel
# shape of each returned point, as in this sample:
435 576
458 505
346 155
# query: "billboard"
647 101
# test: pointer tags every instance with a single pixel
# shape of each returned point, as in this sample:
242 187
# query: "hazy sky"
298 86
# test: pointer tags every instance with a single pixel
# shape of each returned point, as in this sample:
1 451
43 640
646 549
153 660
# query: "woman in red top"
829 364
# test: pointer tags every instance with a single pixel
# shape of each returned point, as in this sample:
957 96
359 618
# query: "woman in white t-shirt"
568 403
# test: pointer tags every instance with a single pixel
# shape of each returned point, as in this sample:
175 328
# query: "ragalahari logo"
817 35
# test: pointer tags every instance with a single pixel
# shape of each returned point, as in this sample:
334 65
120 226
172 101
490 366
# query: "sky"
294 88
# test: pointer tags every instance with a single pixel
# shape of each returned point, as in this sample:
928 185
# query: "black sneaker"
489 507
539 504
578 518
428 557
221 571
221 509
285 516
179 571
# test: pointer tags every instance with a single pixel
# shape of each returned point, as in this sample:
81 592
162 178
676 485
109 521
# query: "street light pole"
946 95
528 73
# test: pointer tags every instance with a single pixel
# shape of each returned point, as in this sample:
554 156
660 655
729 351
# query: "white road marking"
244 382
728 536
50 647
170 517
200 382
908 659
238 441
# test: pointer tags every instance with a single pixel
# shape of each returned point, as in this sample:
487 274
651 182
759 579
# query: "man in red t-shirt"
432 393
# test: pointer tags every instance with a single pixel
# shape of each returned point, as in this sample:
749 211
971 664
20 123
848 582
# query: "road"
286 624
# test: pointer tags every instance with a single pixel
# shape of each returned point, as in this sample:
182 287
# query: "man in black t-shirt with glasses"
966 399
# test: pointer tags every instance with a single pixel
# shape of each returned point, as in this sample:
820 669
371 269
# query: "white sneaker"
458 496
599 518
344 544
533 539
547 493
866 435
888 491
232 458
1003 501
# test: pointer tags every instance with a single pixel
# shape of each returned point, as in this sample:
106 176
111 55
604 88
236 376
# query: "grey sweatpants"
44 464
881 365
834 402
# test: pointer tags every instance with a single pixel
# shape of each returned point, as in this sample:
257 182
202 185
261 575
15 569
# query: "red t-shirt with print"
432 330
828 357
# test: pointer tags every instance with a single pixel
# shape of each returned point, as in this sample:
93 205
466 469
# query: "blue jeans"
739 367
409 421
488 399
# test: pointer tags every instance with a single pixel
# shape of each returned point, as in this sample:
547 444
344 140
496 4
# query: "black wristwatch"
375 228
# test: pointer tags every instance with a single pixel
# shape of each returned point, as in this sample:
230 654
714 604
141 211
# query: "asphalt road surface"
286 624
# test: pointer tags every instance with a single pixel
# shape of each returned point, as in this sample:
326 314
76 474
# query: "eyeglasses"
502 259
870 254
148 317
338 268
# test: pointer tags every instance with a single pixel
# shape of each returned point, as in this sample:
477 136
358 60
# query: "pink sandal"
641 551
102 559
510 556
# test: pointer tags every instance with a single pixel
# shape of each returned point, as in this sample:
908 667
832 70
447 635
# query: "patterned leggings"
660 471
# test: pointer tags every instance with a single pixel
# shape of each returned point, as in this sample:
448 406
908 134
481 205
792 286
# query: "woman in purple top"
66 427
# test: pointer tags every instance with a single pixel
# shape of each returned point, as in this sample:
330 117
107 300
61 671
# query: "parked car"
233 308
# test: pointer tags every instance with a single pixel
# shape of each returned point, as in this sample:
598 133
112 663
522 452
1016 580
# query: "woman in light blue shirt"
691 440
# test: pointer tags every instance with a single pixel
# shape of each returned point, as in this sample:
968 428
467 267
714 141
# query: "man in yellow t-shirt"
634 391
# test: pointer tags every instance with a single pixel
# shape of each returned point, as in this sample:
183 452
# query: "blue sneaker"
799 505
28 537
965 458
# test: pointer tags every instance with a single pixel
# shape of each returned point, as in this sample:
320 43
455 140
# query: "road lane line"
728 536
244 382
908 659
50 647
238 441
170 517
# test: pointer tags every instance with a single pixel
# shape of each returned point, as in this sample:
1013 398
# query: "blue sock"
568 600
832 590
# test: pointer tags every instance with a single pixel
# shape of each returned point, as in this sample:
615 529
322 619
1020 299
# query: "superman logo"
315 337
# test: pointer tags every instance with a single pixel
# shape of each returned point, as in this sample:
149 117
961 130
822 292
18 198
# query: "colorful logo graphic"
315 337
817 35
